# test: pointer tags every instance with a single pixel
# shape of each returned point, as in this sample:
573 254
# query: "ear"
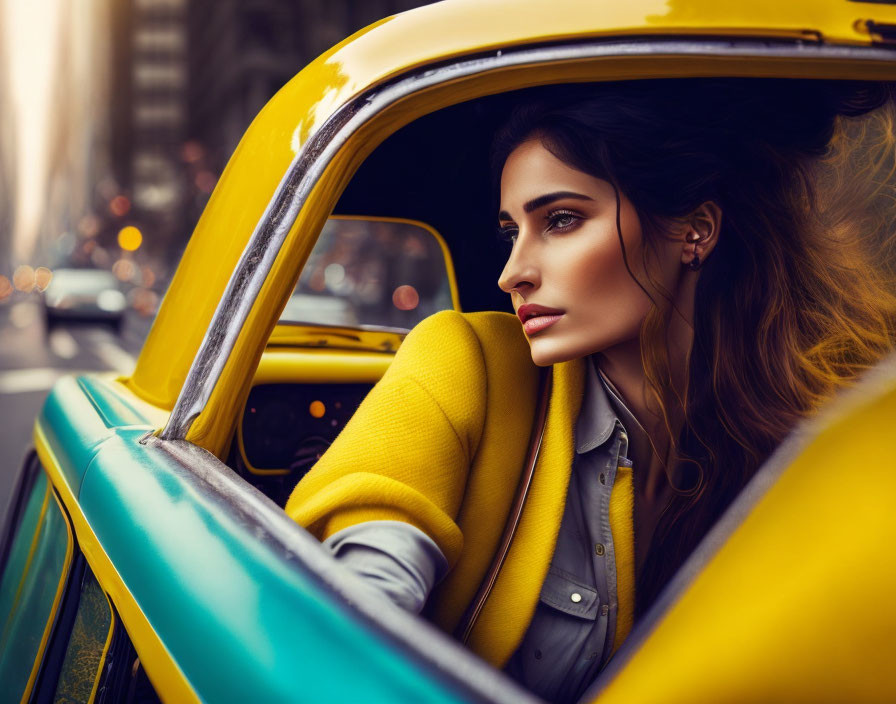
701 232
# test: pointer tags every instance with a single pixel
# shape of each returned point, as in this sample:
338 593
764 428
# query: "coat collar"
602 410
597 417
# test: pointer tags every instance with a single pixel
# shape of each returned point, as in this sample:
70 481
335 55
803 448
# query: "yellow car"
148 551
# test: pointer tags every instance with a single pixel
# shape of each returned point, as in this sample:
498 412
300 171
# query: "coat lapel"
510 607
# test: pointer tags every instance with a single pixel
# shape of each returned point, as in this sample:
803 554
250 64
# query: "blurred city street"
31 360
116 119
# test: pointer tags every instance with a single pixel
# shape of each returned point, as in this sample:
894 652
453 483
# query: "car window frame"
448 260
26 477
118 644
31 469
323 146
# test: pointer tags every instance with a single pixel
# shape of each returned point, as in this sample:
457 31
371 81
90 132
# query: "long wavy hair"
797 298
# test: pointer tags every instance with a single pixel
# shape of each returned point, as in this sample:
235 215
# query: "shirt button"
537 654
603 478
600 549
576 597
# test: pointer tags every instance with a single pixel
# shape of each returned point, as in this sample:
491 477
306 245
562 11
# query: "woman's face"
565 274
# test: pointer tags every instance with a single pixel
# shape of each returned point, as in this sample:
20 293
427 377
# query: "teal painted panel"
73 427
113 409
21 547
242 622
32 607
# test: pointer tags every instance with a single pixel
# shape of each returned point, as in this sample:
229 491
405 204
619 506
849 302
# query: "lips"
536 318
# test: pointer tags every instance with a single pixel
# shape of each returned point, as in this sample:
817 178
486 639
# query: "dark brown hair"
789 307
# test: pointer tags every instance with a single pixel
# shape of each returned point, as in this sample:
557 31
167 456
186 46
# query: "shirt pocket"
562 591
565 640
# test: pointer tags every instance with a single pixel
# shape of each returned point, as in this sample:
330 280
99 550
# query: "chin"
547 352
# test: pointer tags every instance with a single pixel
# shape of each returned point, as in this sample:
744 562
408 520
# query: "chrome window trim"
318 151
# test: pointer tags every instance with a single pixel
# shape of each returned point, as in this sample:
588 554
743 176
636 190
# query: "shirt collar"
597 418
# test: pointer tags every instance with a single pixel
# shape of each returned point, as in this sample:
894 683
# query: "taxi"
147 556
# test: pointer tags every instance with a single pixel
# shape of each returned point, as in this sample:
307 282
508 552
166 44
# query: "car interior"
434 171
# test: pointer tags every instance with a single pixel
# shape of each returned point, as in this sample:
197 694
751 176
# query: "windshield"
371 272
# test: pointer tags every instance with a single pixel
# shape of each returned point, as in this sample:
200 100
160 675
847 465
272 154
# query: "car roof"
430 36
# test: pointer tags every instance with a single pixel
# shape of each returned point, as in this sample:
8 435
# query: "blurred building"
242 51
190 76
148 121
156 94
7 163
78 128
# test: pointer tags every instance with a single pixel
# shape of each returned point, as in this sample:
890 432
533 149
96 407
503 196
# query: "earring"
693 238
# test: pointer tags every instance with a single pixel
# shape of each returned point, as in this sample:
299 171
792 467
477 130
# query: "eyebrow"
544 200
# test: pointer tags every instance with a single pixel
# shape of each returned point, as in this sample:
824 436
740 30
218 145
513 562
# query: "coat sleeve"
406 453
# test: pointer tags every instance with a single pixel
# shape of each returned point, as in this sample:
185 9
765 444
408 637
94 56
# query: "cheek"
606 304
614 303
606 290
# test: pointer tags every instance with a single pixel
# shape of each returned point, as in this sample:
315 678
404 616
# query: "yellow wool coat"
439 443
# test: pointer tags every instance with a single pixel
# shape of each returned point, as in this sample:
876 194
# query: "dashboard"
309 382
285 428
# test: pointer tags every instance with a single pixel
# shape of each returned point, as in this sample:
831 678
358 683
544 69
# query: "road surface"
30 363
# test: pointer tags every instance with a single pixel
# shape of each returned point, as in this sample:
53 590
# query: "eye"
562 220
508 233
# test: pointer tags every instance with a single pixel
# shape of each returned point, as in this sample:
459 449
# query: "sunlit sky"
31 32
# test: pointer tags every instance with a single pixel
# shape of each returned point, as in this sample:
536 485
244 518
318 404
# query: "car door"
61 637
36 562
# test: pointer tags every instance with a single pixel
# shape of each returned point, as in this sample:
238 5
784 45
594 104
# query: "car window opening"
435 171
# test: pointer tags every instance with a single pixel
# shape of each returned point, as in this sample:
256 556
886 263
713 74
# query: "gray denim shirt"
571 634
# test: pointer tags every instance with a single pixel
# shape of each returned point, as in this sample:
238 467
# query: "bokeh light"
144 301
317 409
65 245
124 269
205 181
192 151
405 297
42 278
100 257
119 206
147 277
334 275
6 288
23 278
89 226
130 238
24 314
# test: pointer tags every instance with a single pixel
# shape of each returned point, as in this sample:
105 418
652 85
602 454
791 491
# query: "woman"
673 262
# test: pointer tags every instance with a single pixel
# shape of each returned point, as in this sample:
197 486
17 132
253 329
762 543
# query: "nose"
521 271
